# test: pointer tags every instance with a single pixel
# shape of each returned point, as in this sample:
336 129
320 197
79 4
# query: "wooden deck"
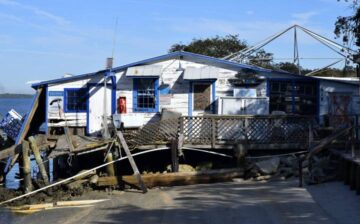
217 132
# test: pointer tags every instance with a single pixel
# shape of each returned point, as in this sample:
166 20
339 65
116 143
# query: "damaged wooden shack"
178 108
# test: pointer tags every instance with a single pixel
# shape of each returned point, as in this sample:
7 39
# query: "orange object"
121 105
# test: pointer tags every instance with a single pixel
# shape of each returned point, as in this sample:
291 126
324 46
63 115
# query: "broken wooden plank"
175 179
326 141
75 176
25 127
79 202
131 160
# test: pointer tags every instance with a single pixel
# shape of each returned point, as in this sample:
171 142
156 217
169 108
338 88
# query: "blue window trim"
213 94
65 101
113 94
46 109
135 93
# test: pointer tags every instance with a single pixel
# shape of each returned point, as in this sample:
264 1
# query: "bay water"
22 106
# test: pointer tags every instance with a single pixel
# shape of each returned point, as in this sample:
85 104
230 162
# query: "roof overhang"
144 71
207 72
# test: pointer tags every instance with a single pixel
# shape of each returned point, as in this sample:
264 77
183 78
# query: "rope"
279 155
78 175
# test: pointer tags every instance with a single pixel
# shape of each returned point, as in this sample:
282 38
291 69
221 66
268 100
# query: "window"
145 94
76 100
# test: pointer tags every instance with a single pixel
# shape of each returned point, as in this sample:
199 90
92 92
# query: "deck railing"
216 130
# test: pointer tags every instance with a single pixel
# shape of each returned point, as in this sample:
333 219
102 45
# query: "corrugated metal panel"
144 70
208 72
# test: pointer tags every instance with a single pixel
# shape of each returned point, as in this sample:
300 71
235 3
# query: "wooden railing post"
181 125
213 132
311 135
352 133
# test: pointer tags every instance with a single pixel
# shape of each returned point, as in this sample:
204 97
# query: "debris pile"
319 169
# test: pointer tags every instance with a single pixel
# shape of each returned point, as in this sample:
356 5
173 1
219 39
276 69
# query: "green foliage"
348 27
217 46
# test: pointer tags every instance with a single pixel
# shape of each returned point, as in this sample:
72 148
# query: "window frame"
66 90
135 96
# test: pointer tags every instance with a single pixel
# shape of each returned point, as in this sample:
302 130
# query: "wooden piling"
110 168
38 159
357 179
352 174
55 168
26 167
174 156
353 137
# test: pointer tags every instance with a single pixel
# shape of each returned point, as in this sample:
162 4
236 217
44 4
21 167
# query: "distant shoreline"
15 96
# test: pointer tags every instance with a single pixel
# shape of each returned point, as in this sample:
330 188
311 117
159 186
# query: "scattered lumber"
175 179
75 176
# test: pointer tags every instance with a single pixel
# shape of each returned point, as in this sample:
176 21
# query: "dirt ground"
235 202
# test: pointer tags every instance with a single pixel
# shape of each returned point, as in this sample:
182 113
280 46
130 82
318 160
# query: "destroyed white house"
180 102
189 84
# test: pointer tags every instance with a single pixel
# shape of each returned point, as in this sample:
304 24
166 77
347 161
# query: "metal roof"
187 56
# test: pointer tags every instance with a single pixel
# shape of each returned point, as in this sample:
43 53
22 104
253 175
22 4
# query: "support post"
174 156
55 169
301 175
26 167
110 168
353 136
213 132
38 159
131 160
311 135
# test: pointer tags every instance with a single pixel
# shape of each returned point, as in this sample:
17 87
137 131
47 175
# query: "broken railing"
217 131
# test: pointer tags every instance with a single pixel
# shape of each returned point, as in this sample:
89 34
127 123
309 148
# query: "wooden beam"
131 160
26 166
326 141
110 169
175 179
174 156
26 127
38 159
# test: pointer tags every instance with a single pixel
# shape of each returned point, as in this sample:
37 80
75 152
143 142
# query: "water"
22 106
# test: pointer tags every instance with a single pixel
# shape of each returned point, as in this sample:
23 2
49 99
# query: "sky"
42 39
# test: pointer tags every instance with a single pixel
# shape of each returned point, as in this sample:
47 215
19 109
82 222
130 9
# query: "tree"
348 27
217 46
288 66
